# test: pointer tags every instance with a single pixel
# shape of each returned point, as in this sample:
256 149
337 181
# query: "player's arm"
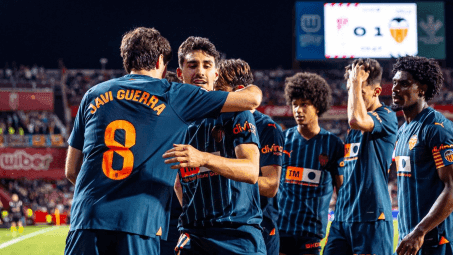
441 209
244 168
244 99
178 189
270 180
358 117
74 160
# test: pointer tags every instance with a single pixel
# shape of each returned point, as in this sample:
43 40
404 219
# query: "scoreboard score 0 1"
369 30
364 30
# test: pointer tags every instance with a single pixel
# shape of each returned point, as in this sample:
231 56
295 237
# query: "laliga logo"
20 160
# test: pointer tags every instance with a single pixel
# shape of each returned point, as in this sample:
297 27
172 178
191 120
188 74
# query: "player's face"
199 69
368 92
405 89
304 111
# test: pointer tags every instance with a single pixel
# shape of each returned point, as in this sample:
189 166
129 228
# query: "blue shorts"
221 240
299 245
271 236
348 238
98 242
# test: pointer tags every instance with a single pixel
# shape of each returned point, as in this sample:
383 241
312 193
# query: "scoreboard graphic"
369 30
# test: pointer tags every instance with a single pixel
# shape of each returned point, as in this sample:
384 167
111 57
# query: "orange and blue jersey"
306 185
423 146
209 199
364 195
123 127
271 151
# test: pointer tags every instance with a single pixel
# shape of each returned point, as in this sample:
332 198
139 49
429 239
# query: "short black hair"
141 48
309 86
424 70
233 72
372 66
197 43
172 77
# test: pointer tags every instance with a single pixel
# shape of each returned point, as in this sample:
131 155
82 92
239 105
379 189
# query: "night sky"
82 32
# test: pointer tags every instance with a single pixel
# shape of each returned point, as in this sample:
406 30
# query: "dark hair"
309 86
372 66
233 72
172 77
197 43
141 48
426 71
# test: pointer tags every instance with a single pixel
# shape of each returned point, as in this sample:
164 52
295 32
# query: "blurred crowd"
41 195
30 123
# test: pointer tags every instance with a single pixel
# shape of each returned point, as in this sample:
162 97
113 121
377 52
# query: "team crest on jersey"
323 159
449 155
413 141
218 133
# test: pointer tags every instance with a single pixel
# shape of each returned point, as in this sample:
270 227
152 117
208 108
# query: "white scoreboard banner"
384 30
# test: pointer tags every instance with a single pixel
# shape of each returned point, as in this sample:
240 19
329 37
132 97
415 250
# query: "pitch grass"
53 241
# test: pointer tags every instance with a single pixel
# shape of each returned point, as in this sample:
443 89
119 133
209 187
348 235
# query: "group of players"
243 185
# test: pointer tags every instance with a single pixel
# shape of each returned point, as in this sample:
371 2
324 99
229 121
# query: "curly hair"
172 77
372 66
233 72
141 48
197 43
424 70
311 87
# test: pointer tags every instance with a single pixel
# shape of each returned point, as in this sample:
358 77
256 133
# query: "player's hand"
185 155
411 243
358 75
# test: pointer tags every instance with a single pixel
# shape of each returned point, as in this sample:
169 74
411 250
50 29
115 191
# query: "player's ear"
377 91
238 87
216 74
179 73
422 88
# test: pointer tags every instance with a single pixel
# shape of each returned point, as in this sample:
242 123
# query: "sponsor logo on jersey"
439 124
300 175
275 149
442 147
312 245
287 153
323 159
375 114
413 141
351 150
449 155
247 127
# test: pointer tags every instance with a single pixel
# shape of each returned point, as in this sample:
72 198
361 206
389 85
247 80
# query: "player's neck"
412 111
155 73
376 104
309 131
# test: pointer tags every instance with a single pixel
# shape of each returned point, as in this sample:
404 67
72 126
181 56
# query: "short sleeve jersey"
306 185
423 145
16 208
123 127
210 199
364 195
271 151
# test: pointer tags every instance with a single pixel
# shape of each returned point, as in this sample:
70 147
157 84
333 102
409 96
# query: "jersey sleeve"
76 139
338 153
385 121
440 141
271 141
193 103
244 129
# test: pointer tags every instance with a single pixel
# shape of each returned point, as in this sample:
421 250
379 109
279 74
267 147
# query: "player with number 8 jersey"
123 126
